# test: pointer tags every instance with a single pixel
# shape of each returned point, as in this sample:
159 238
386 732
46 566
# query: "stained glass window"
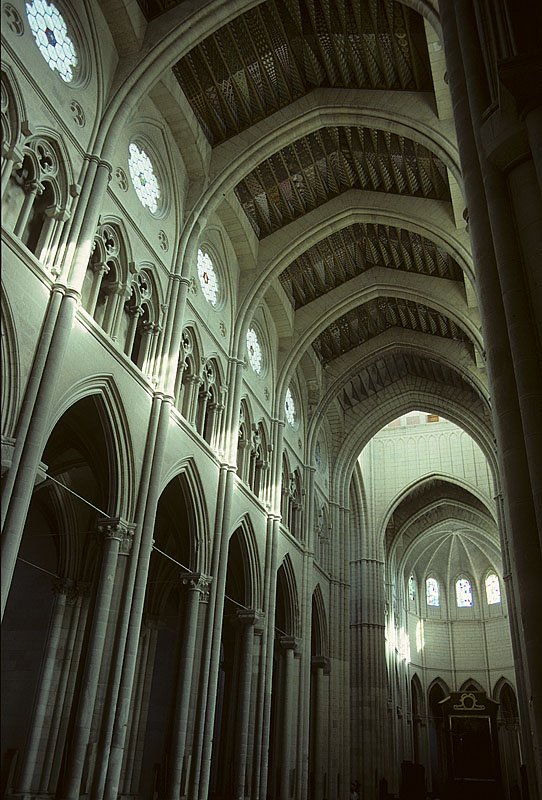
463 593
254 351
493 589
207 277
289 408
51 35
432 592
143 178
412 588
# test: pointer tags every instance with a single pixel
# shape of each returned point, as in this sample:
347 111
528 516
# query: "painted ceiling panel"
357 248
370 319
321 165
280 50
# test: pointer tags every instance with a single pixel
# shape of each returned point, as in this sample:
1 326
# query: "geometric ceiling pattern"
327 162
387 369
280 50
355 249
376 316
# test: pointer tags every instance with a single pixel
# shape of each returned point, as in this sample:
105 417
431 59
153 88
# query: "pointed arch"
440 685
471 685
111 408
319 630
194 492
251 561
188 372
287 607
13 109
418 700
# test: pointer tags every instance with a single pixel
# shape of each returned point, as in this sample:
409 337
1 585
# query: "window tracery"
208 278
51 36
210 405
38 199
143 177
255 355
290 409
188 380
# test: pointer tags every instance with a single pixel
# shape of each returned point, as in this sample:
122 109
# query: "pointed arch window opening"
493 589
463 593
432 592
412 589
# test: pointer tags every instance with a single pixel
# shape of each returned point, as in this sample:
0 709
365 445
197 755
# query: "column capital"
117 528
196 581
290 643
321 662
67 587
248 616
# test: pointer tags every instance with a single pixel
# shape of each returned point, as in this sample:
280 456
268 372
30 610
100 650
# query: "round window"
208 278
144 178
51 36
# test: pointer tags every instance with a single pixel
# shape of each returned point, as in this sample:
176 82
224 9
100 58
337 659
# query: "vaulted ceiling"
279 50
258 67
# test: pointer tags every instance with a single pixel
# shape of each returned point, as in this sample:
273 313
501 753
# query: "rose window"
51 35
143 178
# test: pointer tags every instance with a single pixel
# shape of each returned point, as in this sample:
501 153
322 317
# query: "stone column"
62 215
248 620
369 666
150 365
114 532
100 269
51 222
32 188
289 646
135 314
135 755
149 330
48 672
190 404
79 621
321 670
135 712
118 294
51 347
74 601
196 584
261 766
13 158
513 355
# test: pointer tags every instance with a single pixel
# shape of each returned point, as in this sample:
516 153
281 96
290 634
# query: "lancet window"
432 592
463 593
